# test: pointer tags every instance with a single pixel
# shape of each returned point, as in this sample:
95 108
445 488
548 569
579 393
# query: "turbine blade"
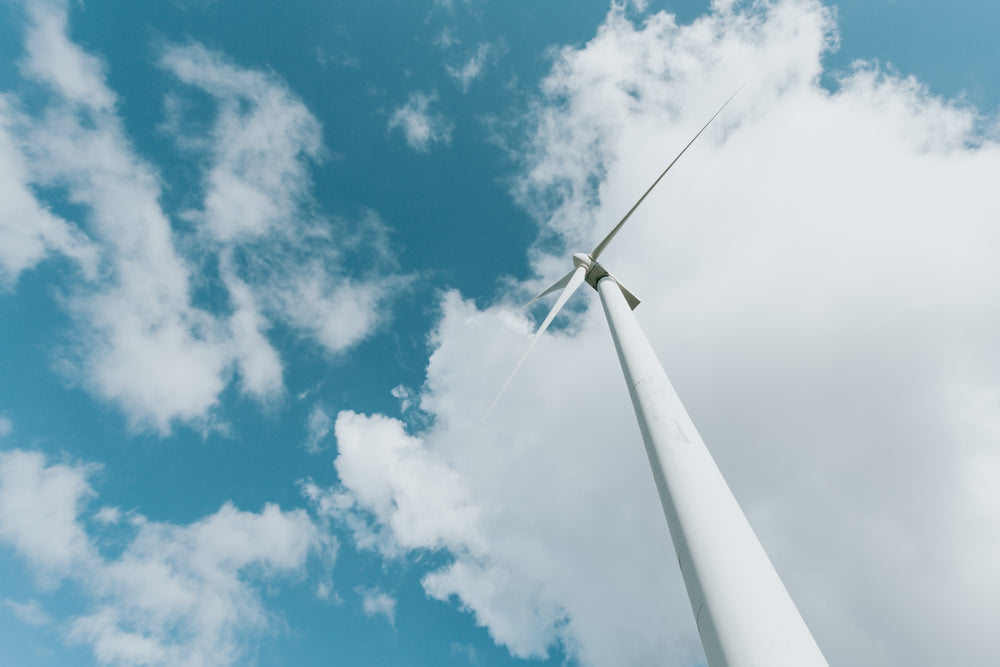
607 239
559 284
573 281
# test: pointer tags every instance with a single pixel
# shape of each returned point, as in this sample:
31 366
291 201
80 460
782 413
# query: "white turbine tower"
744 614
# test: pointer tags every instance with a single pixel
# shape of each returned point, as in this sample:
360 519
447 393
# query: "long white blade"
607 239
573 281
559 284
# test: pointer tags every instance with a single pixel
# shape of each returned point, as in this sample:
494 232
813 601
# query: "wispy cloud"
376 602
278 257
317 429
108 515
30 612
263 140
474 66
421 126
77 76
447 39
466 651
176 594
29 232
141 342
143 345
338 57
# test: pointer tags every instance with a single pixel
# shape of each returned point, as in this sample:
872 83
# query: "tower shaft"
744 614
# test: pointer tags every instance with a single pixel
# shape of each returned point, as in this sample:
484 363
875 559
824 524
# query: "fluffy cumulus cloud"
171 594
417 500
143 342
34 495
421 126
818 276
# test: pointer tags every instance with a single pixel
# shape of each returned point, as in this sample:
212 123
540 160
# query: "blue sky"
260 276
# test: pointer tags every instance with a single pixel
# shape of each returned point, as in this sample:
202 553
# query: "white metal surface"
743 612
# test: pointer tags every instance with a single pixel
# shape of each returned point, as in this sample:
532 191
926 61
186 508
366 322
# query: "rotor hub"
584 259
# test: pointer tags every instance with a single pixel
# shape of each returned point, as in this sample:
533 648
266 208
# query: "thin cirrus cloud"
175 594
819 276
143 344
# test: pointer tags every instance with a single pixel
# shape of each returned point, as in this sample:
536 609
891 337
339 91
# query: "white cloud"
524 518
175 594
447 39
318 428
258 205
39 505
76 76
6 426
509 605
28 230
818 275
472 68
420 499
108 515
141 343
259 364
421 126
404 395
416 500
376 602
159 364
336 312
263 139
30 612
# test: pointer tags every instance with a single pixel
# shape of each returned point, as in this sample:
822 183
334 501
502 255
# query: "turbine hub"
583 259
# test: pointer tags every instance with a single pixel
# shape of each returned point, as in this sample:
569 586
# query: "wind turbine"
743 612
